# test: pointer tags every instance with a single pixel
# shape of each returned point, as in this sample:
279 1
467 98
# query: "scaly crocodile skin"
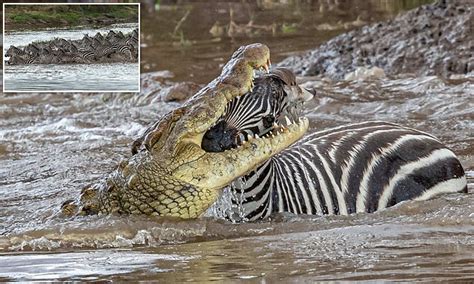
170 174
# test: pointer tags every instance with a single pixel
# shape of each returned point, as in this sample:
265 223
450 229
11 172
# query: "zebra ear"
297 93
305 94
284 75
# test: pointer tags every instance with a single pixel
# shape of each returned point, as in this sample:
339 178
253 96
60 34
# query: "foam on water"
72 77
85 264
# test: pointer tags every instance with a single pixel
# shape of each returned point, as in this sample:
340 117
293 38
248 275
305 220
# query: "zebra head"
110 35
86 40
99 36
13 50
275 100
9 51
32 49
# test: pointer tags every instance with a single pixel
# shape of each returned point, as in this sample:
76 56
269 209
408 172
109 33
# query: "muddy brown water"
53 144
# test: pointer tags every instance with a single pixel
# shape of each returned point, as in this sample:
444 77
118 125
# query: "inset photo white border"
5 90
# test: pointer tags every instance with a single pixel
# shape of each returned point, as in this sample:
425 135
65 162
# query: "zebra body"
15 51
353 168
20 59
124 49
110 48
114 47
360 167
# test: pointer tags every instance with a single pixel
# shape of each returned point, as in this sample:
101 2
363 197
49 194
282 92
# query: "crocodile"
169 173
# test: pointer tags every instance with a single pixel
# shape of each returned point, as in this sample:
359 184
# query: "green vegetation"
70 18
289 28
25 16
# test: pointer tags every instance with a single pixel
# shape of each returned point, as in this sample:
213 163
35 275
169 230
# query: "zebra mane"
284 75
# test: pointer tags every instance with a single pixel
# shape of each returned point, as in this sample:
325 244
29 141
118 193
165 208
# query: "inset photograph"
71 47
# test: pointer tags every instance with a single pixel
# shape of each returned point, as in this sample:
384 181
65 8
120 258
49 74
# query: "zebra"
255 114
115 37
110 35
108 48
86 41
133 38
19 56
15 51
99 37
32 49
354 168
16 59
132 42
124 49
86 56
96 43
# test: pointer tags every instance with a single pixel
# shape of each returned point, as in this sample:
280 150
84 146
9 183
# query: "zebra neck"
284 183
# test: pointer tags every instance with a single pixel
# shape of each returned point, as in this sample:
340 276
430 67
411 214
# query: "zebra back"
15 51
360 167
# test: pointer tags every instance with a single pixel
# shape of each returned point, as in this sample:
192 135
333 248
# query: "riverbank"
35 17
434 39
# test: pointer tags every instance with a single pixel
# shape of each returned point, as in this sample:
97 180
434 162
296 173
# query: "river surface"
67 77
51 145
73 77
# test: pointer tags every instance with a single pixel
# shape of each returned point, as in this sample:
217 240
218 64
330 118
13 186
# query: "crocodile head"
170 174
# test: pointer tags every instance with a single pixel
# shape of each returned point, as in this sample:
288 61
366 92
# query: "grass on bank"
69 15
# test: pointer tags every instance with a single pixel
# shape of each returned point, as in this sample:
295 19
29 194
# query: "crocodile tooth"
288 121
266 67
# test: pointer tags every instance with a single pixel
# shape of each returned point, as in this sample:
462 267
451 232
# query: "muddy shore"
436 39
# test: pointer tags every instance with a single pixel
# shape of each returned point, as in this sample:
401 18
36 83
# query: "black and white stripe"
124 49
360 167
21 59
274 94
254 114
133 38
87 56
105 50
15 51
109 48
